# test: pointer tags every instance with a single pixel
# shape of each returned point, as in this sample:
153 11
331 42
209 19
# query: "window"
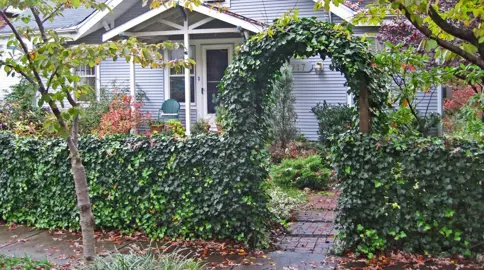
177 77
88 77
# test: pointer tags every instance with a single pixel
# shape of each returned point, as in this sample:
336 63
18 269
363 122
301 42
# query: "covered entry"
209 36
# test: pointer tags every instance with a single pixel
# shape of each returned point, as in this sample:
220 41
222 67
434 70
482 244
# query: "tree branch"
466 35
71 100
25 49
51 78
39 23
28 78
463 34
443 43
59 7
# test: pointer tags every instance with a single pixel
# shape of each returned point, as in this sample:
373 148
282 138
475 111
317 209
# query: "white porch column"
186 44
132 87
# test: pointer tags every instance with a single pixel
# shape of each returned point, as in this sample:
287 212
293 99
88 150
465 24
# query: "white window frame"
96 77
168 75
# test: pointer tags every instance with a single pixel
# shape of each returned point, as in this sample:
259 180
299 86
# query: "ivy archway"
247 83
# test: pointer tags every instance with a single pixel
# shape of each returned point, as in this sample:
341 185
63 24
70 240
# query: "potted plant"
157 126
201 127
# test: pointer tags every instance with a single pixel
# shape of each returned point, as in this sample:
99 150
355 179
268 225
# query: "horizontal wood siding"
150 81
311 89
268 10
427 102
193 114
114 74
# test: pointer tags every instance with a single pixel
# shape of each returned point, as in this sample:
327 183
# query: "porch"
211 37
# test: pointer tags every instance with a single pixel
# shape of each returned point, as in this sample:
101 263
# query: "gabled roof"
76 21
206 9
70 18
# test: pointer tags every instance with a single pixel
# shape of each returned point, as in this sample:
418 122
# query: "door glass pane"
217 62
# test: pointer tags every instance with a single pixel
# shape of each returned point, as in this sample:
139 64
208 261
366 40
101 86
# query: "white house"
212 35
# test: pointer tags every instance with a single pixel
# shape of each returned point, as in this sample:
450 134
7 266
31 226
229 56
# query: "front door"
216 59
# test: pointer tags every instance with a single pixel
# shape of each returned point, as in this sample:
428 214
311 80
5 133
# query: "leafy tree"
452 29
410 75
283 114
46 61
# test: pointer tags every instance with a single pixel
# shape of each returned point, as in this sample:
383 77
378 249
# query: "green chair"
170 109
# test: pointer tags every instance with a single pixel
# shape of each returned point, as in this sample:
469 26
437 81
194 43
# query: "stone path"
313 229
305 247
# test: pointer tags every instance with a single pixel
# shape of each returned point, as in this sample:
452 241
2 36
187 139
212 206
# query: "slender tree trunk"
364 110
82 193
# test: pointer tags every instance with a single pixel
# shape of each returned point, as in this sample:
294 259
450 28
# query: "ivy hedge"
415 194
207 186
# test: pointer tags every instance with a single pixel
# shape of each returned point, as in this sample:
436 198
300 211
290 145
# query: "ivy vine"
246 86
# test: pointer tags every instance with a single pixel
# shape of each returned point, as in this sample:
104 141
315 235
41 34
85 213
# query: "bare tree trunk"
364 110
82 193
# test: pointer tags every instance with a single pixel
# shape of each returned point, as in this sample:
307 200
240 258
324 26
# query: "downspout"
330 17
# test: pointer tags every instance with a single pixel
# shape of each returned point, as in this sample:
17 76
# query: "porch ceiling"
169 21
165 24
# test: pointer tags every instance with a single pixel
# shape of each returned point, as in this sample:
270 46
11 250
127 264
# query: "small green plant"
148 261
201 127
25 263
220 116
333 120
371 242
307 172
176 128
283 200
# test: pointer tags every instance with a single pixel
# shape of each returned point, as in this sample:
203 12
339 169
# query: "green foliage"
19 115
414 194
25 263
283 114
147 261
410 75
468 121
283 200
202 187
91 115
301 173
333 120
22 94
403 122
246 91
201 127
294 149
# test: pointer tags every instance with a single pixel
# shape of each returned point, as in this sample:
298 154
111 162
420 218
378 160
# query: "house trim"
344 12
208 11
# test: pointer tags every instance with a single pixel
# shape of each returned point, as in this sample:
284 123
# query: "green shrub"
201 127
307 172
294 149
333 120
147 261
283 201
282 114
90 116
20 115
206 186
415 194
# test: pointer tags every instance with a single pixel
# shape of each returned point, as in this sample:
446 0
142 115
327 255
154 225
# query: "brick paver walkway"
313 228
